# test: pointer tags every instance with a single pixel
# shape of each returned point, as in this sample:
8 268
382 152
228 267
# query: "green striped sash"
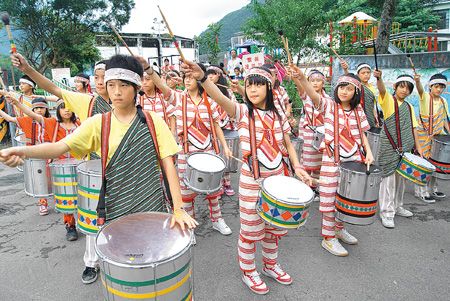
369 105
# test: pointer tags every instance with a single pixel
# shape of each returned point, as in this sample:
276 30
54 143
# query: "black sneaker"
71 234
89 275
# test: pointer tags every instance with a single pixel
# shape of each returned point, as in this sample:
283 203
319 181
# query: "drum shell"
373 137
317 139
89 185
20 140
232 139
440 152
64 184
202 181
414 171
37 178
297 142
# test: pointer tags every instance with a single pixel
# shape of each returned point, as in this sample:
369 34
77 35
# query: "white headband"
405 79
99 66
123 74
436 81
363 66
26 81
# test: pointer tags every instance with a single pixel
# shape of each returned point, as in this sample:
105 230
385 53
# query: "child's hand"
377 74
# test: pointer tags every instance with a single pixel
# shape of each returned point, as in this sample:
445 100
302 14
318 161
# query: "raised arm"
419 86
7 117
14 156
213 91
166 91
26 110
300 79
344 66
380 83
21 63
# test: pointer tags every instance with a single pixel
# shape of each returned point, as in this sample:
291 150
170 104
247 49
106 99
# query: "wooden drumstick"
286 46
335 53
120 38
411 62
237 159
368 169
175 42
5 19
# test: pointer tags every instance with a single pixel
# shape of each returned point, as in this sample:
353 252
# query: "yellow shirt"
424 105
372 88
87 138
388 107
77 102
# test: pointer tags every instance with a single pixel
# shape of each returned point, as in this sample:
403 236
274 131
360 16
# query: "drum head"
65 162
443 138
419 161
90 167
141 239
206 162
288 189
360 167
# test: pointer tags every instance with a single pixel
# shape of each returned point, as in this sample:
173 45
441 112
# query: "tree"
209 42
61 33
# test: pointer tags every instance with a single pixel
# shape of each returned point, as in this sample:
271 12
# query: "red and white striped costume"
329 172
197 115
281 100
158 105
311 159
253 228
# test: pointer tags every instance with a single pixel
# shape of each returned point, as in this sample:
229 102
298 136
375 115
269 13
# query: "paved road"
410 262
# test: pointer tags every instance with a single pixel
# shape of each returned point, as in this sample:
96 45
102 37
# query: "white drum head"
288 189
419 161
206 162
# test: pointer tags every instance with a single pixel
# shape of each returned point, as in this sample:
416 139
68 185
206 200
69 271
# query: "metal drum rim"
186 182
206 171
83 172
375 173
140 266
282 201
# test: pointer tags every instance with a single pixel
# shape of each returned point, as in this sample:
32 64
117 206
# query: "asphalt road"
410 262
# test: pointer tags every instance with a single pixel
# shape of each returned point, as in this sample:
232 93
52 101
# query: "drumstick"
335 53
368 169
5 19
120 38
175 42
411 62
222 86
286 46
237 159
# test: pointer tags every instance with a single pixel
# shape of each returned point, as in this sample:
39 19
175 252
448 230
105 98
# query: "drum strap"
33 132
254 164
398 147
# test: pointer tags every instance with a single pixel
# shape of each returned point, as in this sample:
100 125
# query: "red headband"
349 80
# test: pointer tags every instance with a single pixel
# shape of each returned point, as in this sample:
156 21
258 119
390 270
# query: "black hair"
438 76
126 62
166 59
73 118
29 79
222 80
356 99
362 68
175 71
41 99
199 85
408 84
257 80
100 62
271 67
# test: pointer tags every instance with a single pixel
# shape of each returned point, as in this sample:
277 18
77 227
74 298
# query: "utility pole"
158 27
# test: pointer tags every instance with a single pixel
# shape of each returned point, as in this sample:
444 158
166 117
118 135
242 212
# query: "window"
443 22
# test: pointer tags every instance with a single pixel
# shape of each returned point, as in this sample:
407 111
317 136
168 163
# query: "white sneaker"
346 237
403 212
334 247
427 199
254 283
277 273
221 226
388 222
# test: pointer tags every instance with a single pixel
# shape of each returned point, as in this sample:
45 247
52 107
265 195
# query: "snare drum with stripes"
89 185
64 183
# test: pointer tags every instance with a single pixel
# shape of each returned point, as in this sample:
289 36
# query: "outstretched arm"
419 86
380 83
21 63
26 110
7 117
300 79
14 156
166 91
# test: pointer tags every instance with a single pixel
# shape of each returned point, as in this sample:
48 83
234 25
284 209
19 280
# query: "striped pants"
188 196
329 177
253 228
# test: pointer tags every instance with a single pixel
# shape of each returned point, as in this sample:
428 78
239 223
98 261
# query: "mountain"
231 24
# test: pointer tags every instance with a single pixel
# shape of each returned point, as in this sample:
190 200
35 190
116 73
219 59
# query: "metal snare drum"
440 156
298 142
284 202
89 185
64 183
318 136
232 139
37 178
357 194
415 168
204 172
373 137
20 140
141 257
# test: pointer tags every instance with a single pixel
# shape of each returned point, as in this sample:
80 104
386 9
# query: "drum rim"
440 141
53 163
283 201
204 171
147 265
405 155
375 173
87 173
186 182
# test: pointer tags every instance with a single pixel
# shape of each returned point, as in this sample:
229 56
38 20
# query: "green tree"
61 33
209 42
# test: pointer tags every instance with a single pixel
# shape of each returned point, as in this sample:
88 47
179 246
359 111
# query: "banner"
252 60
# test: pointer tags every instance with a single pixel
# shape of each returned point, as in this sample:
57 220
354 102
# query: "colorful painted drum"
415 169
64 183
204 172
440 156
284 202
318 136
89 185
141 257
357 193
37 178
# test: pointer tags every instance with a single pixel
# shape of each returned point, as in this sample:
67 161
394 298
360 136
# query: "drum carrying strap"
33 132
105 131
91 106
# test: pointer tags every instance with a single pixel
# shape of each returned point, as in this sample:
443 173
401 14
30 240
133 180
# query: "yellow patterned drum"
64 183
89 185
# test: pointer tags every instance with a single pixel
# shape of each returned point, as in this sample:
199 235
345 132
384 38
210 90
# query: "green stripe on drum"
267 199
270 218
87 189
64 176
66 195
187 297
410 177
81 227
60 210
149 282
87 211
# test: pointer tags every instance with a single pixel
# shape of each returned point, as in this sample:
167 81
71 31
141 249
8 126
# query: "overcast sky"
186 18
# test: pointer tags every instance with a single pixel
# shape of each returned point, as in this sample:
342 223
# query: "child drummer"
433 121
400 124
263 148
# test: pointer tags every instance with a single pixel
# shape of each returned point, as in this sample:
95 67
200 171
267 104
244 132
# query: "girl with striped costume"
138 148
344 141
264 140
